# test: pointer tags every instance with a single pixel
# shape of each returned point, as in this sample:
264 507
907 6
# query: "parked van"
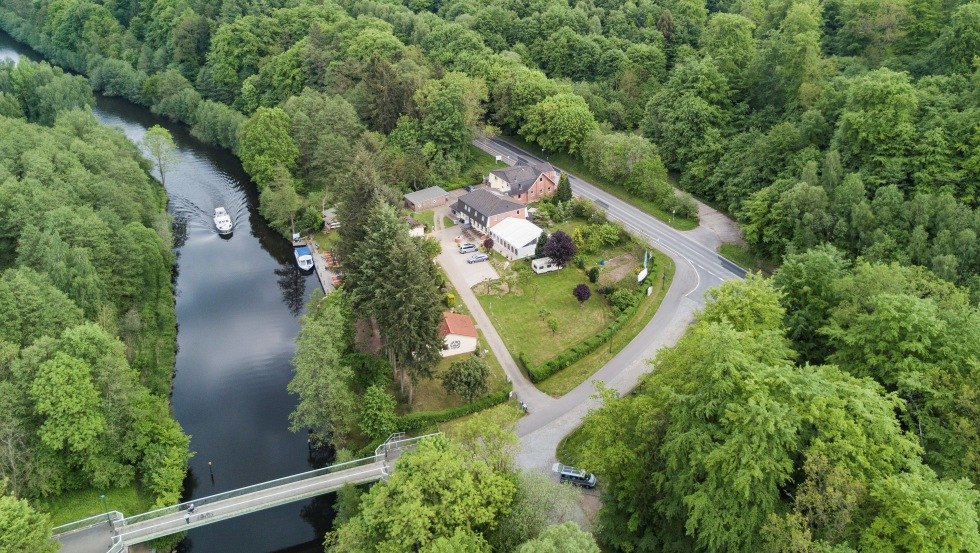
467 248
574 476
544 265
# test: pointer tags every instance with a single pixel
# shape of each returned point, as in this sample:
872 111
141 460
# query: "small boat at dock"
304 257
222 221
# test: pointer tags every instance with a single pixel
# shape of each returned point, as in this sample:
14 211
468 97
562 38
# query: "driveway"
463 276
454 262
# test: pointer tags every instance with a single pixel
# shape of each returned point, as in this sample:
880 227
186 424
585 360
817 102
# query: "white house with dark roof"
483 209
515 238
525 183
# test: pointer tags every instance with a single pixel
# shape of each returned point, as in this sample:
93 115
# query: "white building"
458 333
515 238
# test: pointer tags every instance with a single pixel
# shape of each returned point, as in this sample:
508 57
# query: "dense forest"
830 408
843 121
87 324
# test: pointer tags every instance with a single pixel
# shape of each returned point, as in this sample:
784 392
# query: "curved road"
698 270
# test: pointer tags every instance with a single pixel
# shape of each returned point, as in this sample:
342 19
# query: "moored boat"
304 257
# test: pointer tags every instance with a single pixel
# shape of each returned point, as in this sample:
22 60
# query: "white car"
477 258
467 248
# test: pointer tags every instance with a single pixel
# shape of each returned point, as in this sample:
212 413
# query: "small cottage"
458 333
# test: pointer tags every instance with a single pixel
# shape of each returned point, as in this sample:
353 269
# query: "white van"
544 265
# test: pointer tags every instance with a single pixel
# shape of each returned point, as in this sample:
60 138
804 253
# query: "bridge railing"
395 442
111 517
202 501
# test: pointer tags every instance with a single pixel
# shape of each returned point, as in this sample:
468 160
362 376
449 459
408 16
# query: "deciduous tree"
160 146
467 377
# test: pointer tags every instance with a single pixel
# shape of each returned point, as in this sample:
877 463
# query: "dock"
323 273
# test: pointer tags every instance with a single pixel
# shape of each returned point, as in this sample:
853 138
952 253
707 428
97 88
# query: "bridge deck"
98 539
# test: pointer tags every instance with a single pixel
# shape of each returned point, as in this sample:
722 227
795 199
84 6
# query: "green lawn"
76 505
425 217
327 240
567 379
518 317
743 256
481 163
431 396
570 448
504 415
568 163
447 222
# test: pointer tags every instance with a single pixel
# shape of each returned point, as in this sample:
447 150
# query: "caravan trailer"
544 265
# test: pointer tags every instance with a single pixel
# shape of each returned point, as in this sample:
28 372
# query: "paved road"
699 269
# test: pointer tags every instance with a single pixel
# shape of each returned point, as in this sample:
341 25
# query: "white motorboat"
222 221
304 257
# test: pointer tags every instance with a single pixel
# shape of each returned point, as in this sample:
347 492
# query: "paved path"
323 274
698 269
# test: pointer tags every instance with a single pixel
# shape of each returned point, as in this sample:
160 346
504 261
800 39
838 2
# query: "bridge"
113 533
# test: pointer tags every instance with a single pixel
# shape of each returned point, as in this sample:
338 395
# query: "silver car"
467 248
478 258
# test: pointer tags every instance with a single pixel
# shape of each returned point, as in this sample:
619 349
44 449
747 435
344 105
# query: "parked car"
467 248
574 476
478 258
470 188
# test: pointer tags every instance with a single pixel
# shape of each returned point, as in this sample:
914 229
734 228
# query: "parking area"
455 263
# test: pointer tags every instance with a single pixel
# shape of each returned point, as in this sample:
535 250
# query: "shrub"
450 299
623 300
682 205
594 275
582 293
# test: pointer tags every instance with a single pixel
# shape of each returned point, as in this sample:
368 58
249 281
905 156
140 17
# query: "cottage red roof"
456 323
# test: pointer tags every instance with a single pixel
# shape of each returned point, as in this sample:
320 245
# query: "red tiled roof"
456 323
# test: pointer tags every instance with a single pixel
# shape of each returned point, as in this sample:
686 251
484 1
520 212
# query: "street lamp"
105 509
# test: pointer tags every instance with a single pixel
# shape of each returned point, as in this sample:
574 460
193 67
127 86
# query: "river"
238 305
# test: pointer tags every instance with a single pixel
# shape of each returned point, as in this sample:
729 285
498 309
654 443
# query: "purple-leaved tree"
582 293
560 248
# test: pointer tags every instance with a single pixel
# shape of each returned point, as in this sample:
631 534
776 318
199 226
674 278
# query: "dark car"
470 188
574 476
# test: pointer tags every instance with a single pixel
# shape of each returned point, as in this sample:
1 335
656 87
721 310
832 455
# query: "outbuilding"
427 198
458 334
515 237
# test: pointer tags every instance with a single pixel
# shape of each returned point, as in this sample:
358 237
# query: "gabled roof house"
483 209
525 183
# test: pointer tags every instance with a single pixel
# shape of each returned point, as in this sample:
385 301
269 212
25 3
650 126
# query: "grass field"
425 217
521 314
76 505
431 396
744 257
569 449
327 240
568 163
475 171
567 379
504 415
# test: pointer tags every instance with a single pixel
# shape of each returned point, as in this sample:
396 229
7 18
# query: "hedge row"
578 351
417 422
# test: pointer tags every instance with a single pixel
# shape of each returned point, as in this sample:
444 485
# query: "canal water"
238 304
